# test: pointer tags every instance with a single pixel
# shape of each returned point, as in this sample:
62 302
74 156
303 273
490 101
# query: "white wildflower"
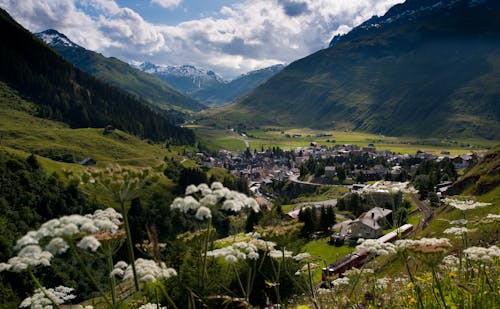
493 216
458 231
302 256
89 242
190 203
216 185
340 282
376 247
24 241
209 200
57 245
424 244
191 189
203 186
203 213
231 259
279 254
39 299
149 270
253 256
482 254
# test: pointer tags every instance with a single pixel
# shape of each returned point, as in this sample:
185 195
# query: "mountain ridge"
432 74
118 73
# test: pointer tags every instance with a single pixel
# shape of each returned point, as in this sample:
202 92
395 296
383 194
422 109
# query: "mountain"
185 78
118 73
425 68
64 93
238 87
207 86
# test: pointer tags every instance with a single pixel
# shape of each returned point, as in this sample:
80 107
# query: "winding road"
426 210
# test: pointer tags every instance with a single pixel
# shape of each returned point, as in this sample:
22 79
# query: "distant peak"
55 38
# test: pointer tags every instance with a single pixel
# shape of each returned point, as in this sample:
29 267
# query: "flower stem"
130 248
89 274
39 285
112 283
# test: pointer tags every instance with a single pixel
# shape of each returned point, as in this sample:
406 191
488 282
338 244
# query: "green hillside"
22 132
432 73
118 73
64 93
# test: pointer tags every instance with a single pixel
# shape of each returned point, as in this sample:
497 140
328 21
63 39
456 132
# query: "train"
360 257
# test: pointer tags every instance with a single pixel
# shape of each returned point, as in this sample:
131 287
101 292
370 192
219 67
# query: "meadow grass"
258 139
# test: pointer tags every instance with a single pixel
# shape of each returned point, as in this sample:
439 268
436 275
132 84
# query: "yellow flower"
412 301
452 275
409 286
303 307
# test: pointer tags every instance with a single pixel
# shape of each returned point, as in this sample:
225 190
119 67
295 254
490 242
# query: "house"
369 225
88 161
370 148
329 171
108 129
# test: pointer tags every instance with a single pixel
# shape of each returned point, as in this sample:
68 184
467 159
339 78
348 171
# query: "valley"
365 173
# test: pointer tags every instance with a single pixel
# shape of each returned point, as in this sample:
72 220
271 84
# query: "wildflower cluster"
211 196
147 270
237 252
48 297
424 245
376 247
60 231
458 231
482 254
465 204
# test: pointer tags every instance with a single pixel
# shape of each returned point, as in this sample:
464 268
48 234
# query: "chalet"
108 129
368 225
370 148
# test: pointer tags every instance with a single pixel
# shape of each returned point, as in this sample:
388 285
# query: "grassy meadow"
215 138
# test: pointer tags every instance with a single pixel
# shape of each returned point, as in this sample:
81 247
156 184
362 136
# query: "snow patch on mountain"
54 38
197 75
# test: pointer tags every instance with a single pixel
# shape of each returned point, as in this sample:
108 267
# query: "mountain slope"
427 67
64 93
238 87
119 73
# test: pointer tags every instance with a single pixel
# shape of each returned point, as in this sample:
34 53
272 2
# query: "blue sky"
186 10
230 37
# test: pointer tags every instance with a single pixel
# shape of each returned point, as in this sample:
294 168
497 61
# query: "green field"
265 138
22 133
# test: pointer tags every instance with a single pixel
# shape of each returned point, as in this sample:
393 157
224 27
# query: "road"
426 210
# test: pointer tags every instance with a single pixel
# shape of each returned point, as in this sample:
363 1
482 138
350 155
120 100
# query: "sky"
230 37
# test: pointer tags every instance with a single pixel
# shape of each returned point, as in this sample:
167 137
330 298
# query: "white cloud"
167 3
242 37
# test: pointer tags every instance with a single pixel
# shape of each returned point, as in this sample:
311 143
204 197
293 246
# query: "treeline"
64 93
430 173
316 219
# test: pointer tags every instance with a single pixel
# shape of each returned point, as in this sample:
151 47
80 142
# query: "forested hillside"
64 93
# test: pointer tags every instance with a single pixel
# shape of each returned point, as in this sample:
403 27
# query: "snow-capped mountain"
238 87
118 73
407 12
56 39
186 78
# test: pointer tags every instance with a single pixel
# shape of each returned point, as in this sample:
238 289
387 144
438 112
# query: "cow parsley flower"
302 257
216 185
191 189
57 245
459 222
376 247
203 213
340 282
149 270
458 231
89 242
280 254
58 295
482 254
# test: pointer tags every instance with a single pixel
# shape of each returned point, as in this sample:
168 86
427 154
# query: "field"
283 138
